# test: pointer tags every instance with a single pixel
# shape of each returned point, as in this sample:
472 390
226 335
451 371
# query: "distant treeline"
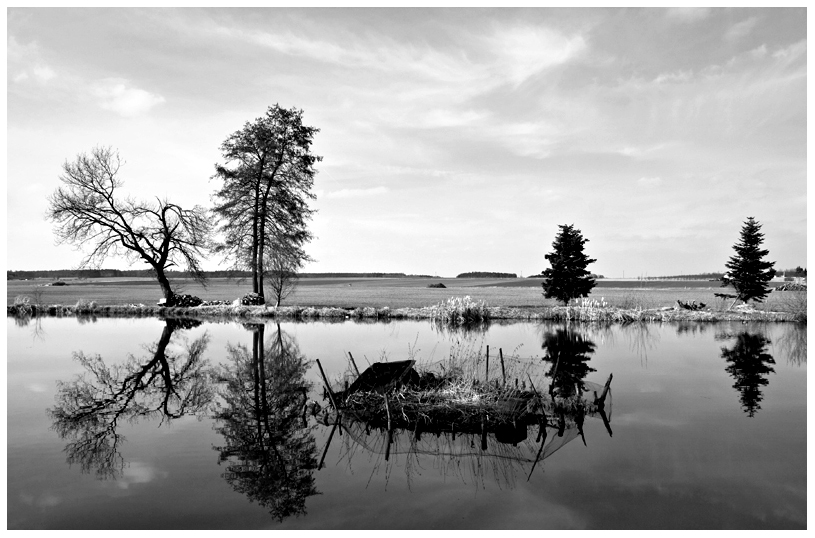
697 276
108 273
484 274
593 275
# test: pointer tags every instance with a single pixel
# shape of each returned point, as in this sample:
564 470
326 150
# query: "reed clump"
460 310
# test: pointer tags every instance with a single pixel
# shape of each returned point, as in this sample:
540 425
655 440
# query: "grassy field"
393 293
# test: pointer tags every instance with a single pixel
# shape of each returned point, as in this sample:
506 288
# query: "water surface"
142 423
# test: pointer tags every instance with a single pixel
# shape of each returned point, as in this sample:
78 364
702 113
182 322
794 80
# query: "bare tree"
89 213
283 261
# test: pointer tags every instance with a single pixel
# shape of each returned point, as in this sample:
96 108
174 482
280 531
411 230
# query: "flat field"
391 292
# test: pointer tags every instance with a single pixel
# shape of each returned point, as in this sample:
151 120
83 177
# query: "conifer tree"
747 272
568 278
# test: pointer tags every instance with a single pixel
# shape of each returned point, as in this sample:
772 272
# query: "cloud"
688 14
741 29
139 473
650 181
26 61
525 51
117 96
355 193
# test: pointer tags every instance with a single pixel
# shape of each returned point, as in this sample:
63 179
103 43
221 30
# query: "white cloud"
741 29
689 14
650 181
355 193
139 473
115 95
523 52
43 73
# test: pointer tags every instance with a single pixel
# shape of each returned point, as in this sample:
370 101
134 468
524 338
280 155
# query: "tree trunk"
164 282
261 249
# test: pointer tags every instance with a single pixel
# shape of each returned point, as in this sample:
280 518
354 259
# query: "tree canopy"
567 278
263 201
89 212
748 272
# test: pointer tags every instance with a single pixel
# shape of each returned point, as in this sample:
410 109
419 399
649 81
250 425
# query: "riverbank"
545 313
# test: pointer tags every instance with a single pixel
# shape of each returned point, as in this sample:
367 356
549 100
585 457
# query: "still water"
144 423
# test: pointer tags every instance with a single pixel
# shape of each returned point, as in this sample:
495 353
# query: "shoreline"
545 313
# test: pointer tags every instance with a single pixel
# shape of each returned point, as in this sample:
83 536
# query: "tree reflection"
748 365
568 351
164 384
269 447
793 343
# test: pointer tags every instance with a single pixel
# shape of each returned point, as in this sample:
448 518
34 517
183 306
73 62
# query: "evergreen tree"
568 278
747 272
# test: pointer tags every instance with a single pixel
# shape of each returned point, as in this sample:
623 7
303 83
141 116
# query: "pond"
147 423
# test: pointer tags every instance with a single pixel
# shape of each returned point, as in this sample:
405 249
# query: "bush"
439 285
461 310
185 300
252 299
83 305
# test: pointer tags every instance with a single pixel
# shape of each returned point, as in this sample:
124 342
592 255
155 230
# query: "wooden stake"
605 389
503 372
327 386
487 372
325 450
353 363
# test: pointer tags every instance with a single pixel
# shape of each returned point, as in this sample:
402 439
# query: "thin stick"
503 372
487 373
605 389
353 363
539 454
327 386
325 450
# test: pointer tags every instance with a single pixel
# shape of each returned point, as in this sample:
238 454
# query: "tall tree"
567 278
89 212
747 272
267 182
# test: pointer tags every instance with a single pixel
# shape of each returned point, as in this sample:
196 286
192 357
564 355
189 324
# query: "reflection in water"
269 447
749 364
568 351
471 424
793 343
91 407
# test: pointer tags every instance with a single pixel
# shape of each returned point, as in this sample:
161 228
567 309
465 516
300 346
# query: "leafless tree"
283 261
88 212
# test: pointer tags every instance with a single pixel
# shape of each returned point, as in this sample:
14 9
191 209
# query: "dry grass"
376 299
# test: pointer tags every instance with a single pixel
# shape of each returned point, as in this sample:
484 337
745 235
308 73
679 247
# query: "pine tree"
568 278
747 272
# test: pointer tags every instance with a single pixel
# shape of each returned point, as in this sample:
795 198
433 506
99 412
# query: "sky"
453 140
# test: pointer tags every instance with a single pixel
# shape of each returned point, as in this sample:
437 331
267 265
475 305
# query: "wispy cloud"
741 29
688 14
118 96
356 193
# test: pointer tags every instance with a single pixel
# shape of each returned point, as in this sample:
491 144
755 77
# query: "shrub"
252 299
83 305
439 285
461 310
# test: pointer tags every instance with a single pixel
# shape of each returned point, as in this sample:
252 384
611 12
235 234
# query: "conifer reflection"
568 351
749 365
165 384
269 447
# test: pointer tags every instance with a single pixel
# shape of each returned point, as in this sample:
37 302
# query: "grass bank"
554 313
376 299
